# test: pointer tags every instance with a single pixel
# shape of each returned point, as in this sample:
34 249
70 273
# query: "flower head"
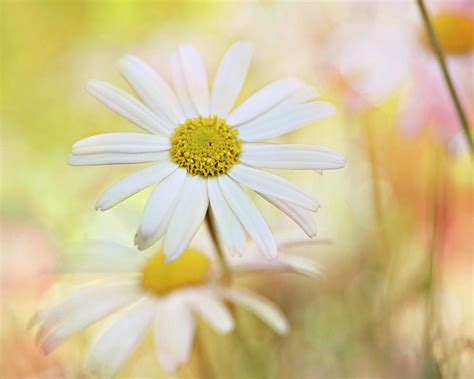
207 152
152 294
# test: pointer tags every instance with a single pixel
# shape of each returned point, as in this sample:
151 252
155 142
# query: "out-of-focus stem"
428 364
226 272
447 77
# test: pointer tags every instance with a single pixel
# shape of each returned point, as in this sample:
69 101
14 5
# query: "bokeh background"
396 299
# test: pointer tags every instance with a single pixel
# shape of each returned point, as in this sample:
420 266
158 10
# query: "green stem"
226 272
447 77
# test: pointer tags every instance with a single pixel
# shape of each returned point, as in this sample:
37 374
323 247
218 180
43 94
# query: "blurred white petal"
212 310
174 333
119 339
260 306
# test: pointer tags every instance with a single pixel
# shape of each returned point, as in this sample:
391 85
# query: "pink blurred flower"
27 255
428 103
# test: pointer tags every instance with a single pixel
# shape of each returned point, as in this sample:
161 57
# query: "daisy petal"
273 185
262 308
231 230
196 78
174 333
110 139
127 106
134 183
284 120
301 217
102 256
230 78
291 157
152 88
84 307
301 265
264 100
187 217
118 340
248 215
116 158
213 311
159 208
179 82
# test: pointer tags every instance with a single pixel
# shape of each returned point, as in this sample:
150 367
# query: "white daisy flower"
147 293
206 151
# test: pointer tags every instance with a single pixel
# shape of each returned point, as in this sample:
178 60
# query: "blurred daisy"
207 151
428 103
151 293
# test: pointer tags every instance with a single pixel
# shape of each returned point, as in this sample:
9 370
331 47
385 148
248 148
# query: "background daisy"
145 292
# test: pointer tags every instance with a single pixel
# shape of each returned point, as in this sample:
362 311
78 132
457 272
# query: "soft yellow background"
364 319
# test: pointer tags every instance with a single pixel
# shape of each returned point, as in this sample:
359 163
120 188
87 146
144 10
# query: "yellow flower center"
205 146
191 268
455 32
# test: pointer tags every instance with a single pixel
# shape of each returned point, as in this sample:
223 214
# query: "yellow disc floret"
205 146
191 268
455 32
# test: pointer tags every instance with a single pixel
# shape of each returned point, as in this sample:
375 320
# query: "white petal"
264 100
301 265
230 229
273 185
248 214
196 78
213 311
179 82
302 217
153 90
187 217
83 307
134 183
230 78
127 106
118 340
159 208
262 308
292 157
116 158
284 120
121 143
174 333
102 256
121 149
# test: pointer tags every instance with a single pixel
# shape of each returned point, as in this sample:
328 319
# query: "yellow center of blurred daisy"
455 32
205 146
191 268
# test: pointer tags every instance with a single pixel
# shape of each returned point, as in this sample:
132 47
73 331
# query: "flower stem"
444 68
429 365
226 276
